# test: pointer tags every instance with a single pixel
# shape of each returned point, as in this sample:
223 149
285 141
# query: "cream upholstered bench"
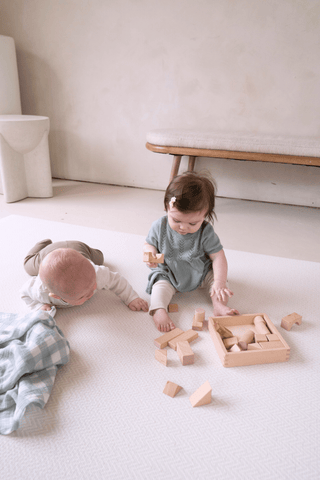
254 147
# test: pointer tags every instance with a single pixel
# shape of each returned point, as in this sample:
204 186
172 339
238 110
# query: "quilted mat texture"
107 417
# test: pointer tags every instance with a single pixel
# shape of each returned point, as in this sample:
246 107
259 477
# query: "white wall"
107 71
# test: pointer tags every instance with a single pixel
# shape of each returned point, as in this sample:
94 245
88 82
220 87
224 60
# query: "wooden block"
235 348
260 324
268 345
289 320
171 389
260 337
233 358
202 396
162 341
272 337
197 325
189 336
198 319
224 332
185 353
199 314
161 356
149 257
254 346
229 342
173 307
245 339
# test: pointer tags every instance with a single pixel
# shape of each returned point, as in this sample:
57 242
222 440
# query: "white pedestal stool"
24 152
24 157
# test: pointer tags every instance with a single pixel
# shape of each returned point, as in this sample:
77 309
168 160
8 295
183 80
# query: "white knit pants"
163 291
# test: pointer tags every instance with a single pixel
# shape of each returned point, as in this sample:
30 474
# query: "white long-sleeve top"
35 294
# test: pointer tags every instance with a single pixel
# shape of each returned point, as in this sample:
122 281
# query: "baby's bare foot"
221 310
162 320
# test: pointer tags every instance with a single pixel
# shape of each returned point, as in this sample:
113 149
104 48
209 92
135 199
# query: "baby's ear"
54 296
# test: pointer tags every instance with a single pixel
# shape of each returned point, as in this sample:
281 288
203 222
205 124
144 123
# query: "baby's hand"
151 265
46 307
222 293
138 304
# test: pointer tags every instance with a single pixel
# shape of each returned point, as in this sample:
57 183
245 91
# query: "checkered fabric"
32 348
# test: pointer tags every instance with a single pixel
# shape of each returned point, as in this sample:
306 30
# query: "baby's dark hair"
193 192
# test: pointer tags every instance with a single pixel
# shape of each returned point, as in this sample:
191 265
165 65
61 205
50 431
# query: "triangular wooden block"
224 332
171 389
202 396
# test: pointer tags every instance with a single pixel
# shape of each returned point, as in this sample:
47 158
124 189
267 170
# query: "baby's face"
184 223
82 294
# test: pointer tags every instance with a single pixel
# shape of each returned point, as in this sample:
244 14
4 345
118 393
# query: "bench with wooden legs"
253 147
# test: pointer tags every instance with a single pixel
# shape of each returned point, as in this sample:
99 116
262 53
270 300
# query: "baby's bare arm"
220 275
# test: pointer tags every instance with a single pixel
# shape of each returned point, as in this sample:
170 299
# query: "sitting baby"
65 274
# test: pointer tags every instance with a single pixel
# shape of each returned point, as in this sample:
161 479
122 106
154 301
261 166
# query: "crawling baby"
66 274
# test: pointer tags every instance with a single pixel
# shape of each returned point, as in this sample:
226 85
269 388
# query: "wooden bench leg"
175 166
192 161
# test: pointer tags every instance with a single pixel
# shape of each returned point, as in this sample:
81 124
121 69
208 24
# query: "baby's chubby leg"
161 295
33 259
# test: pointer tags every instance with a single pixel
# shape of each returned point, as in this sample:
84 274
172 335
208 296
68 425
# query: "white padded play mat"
107 417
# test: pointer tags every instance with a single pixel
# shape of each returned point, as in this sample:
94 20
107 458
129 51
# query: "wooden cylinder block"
199 314
260 325
246 338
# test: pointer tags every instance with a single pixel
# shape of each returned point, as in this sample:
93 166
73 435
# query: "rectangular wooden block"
260 337
161 356
189 336
185 353
267 345
274 353
149 257
272 337
162 341
198 319
173 307
254 346
196 325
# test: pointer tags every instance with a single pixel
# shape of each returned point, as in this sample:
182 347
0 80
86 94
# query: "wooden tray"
238 324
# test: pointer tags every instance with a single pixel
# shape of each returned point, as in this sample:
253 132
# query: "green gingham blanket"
32 348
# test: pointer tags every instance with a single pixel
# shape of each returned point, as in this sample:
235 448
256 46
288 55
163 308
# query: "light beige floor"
270 229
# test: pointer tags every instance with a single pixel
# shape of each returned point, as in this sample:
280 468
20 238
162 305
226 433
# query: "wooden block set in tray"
247 340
